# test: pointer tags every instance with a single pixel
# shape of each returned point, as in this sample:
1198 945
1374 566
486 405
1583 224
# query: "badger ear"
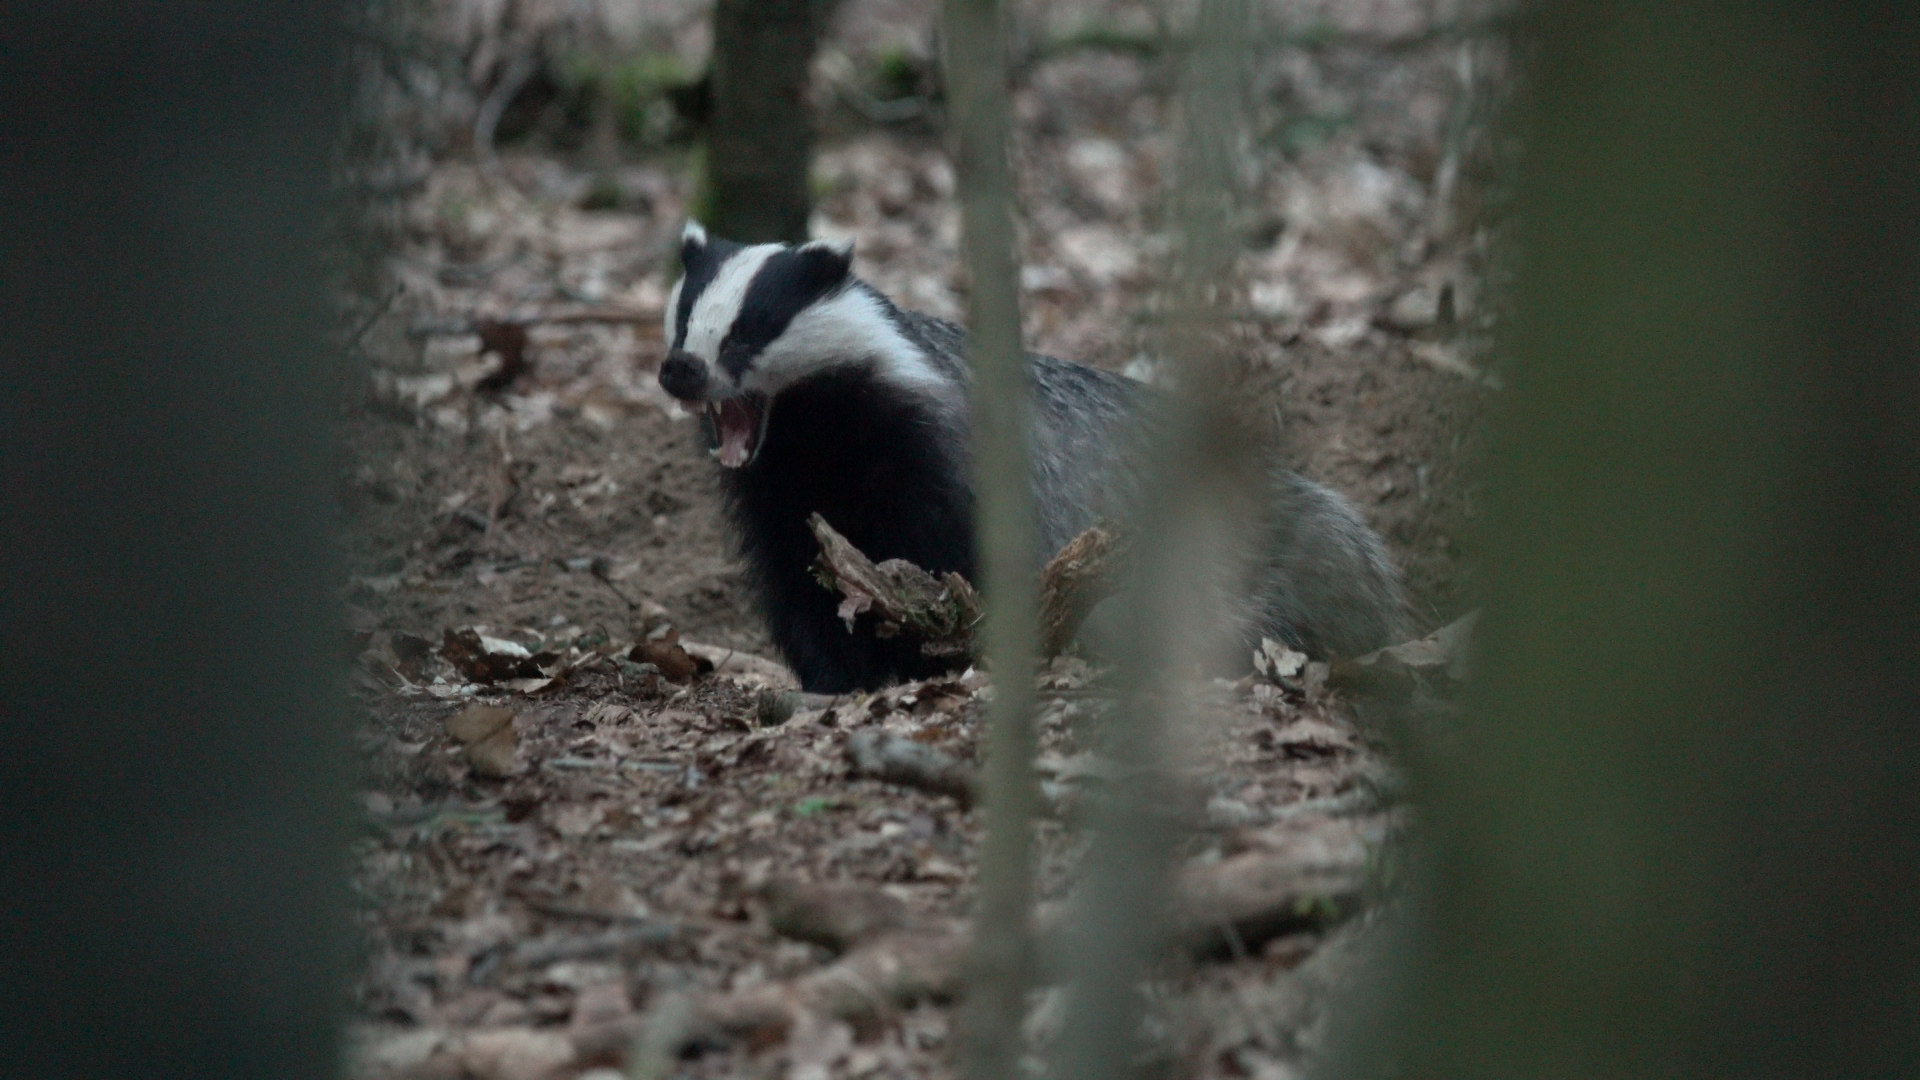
827 261
693 241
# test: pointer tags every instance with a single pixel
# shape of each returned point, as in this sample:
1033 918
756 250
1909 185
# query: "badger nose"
684 375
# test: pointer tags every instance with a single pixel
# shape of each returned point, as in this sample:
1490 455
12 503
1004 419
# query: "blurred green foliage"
637 88
897 73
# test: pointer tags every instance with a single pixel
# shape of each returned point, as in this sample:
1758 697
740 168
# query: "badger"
819 395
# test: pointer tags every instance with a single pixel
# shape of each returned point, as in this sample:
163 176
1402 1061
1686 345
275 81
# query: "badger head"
746 322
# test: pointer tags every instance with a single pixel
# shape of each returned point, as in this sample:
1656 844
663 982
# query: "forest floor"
588 820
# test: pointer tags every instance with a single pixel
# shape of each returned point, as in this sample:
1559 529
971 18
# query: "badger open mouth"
735 427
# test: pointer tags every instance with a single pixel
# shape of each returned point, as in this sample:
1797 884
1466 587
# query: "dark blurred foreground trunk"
1678 837
172 781
1000 961
761 142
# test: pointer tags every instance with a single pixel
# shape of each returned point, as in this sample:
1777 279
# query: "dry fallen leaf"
412 653
599 1003
508 341
493 755
816 1045
742 666
488 659
673 660
487 731
573 821
515 1054
1307 737
476 722
1395 669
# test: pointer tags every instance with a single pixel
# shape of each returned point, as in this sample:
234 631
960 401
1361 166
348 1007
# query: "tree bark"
1675 837
172 788
760 146
1200 471
999 961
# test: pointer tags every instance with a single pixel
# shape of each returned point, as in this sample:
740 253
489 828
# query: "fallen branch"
1302 876
1230 907
1075 580
943 612
892 960
520 71
621 939
898 759
903 598
893 972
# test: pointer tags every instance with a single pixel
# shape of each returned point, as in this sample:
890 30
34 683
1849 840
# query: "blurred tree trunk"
1202 469
1000 965
172 788
1677 838
760 145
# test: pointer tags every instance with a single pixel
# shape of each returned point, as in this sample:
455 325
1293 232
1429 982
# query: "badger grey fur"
821 396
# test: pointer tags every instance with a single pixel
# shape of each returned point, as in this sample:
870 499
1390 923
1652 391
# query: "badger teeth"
739 423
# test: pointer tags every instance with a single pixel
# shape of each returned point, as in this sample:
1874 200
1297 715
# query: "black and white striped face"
724 319
746 322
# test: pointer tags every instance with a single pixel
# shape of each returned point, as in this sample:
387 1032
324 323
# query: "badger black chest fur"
851 448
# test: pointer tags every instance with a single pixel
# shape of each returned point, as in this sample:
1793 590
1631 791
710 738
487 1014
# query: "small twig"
883 111
1234 945
1208 318
599 569
1152 44
533 954
487 120
570 911
379 312
447 327
602 314
889 972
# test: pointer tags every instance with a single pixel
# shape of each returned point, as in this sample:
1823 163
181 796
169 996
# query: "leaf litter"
603 831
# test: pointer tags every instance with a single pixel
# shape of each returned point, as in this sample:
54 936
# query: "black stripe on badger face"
700 262
788 283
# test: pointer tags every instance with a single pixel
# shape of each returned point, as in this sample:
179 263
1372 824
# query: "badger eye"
735 357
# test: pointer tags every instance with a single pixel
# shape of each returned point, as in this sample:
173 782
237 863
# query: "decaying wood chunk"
941 612
944 612
1075 580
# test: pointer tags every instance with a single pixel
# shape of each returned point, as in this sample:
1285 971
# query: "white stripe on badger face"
673 308
715 309
847 328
